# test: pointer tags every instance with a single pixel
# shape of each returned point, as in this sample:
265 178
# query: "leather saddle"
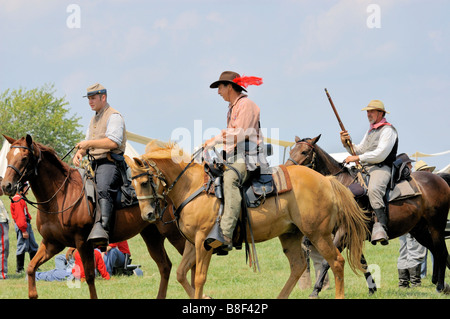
401 186
126 195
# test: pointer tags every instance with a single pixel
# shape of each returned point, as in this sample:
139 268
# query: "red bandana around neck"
379 124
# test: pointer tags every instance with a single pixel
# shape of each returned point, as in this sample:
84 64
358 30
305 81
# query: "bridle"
312 155
156 195
29 171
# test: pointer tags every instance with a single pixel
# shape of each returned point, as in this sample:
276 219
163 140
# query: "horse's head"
23 159
149 184
303 152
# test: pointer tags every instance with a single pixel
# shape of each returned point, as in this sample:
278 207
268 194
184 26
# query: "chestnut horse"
64 219
424 216
314 206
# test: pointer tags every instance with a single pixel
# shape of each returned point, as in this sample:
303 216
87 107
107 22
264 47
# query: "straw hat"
421 165
96 88
375 105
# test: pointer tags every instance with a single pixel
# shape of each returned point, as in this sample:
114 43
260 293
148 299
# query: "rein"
27 172
156 197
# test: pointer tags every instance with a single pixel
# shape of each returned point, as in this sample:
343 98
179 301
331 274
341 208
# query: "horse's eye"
144 184
305 153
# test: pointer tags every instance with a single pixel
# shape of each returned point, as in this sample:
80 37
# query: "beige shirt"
242 124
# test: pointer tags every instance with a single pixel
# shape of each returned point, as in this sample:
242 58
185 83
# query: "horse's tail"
352 220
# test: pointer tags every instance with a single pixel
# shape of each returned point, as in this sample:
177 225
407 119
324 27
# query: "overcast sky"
158 58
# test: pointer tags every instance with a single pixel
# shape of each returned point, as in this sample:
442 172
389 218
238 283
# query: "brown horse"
64 219
424 217
314 206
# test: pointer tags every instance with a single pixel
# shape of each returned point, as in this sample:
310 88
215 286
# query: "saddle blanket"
404 190
281 179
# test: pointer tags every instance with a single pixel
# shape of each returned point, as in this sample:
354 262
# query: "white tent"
3 152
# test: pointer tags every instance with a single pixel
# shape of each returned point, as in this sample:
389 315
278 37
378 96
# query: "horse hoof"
372 291
445 290
314 295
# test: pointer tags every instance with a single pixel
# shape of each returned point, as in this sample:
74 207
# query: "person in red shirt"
78 270
24 231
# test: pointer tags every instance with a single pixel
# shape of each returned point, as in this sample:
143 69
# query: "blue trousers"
62 271
108 179
26 245
114 259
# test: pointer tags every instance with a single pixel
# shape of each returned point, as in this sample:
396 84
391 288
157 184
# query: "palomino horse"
314 206
63 217
424 217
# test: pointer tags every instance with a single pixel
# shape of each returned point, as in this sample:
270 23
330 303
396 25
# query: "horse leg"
44 253
155 246
440 255
203 258
319 283
434 241
292 248
187 262
87 257
179 242
334 258
369 279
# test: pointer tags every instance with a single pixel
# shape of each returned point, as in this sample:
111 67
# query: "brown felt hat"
227 77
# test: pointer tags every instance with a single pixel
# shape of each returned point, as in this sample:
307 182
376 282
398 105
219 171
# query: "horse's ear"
316 139
138 161
9 139
297 139
29 140
128 160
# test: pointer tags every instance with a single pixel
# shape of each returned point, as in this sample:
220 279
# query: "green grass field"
229 277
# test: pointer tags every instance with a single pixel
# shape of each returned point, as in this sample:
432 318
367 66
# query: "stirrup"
215 239
98 236
379 234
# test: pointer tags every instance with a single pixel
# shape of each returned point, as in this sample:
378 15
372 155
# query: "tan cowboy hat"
421 165
227 77
96 88
375 105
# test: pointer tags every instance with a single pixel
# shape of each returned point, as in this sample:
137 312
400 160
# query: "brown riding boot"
379 230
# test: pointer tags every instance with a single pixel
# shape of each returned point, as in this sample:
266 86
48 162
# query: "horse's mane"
160 150
50 155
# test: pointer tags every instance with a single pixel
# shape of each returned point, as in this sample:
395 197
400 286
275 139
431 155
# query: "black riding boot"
414 276
379 231
100 230
403 278
20 261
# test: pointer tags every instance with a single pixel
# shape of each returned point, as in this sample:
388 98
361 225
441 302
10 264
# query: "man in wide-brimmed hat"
422 166
105 141
376 152
242 142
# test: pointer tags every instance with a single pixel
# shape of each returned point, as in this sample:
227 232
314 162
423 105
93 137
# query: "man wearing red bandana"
376 152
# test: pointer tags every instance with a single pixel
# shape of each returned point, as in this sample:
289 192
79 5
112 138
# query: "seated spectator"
116 256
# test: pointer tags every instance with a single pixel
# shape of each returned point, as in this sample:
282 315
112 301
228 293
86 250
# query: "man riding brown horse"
377 152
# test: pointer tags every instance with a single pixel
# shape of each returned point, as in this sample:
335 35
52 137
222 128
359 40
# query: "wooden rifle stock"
349 142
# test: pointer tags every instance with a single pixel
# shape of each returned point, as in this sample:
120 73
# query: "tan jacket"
97 130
